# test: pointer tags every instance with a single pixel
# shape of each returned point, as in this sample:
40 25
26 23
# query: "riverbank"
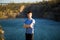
3 17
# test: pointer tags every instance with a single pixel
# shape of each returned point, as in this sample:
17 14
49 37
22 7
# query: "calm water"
44 29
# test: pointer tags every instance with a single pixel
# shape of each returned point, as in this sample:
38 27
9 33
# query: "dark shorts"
29 36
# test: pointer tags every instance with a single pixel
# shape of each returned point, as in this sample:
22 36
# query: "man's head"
29 14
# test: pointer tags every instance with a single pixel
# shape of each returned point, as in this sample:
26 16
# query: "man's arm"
29 26
26 26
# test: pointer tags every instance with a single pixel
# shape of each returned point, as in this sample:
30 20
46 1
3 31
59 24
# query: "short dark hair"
29 12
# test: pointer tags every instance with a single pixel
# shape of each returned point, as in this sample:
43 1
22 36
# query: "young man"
29 25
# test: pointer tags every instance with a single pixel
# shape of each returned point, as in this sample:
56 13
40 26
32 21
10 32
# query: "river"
44 29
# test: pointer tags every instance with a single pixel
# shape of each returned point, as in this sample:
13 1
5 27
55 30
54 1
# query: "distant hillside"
44 10
47 10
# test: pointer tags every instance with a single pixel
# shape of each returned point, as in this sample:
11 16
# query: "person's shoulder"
33 19
25 20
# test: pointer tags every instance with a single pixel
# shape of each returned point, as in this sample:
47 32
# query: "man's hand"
28 26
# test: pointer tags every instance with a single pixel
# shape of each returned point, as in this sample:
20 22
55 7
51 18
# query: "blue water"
44 29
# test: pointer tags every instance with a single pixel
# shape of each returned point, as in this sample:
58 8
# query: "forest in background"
49 10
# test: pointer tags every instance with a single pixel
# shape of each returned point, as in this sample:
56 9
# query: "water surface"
44 29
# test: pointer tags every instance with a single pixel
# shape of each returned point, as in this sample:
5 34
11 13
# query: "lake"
44 29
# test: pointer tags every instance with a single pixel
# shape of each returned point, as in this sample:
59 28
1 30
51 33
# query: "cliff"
44 10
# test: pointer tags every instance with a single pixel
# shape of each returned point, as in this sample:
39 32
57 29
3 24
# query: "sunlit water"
44 29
